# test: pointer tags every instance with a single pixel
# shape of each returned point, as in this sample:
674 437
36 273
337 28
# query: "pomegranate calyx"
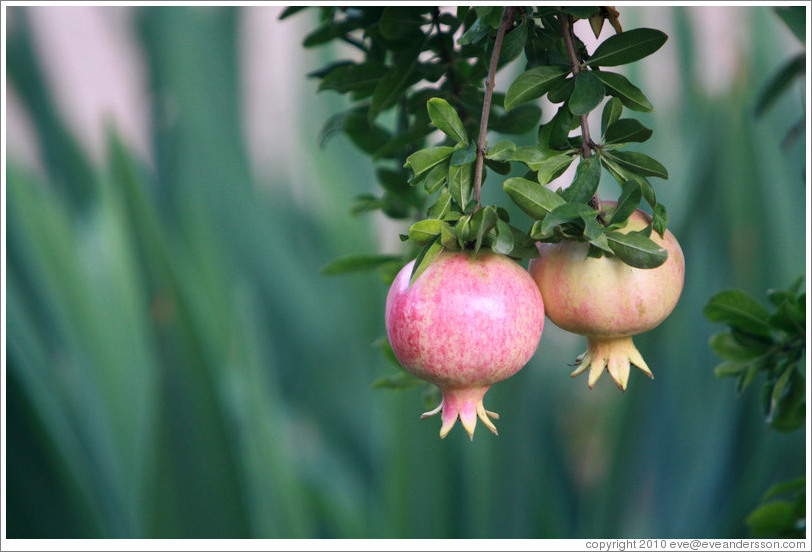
465 404
615 354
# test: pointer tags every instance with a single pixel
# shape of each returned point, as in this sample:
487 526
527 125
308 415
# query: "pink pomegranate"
607 300
469 321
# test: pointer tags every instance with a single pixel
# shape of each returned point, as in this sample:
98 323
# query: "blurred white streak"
94 69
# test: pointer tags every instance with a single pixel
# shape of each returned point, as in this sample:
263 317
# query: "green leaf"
517 121
423 160
436 178
398 381
585 183
555 134
775 519
739 310
461 182
482 222
501 151
532 84
398 21
423 232
532 156
561 90
627 47
626 130
553 167
728 347
446 119
463 156
620 87
627 203
611 113
427 255
797 484
503 244
601 242
441 206
636 250
568 212
514 41
660 219
587 94
639 163
531 197
360 79
779 83
391 85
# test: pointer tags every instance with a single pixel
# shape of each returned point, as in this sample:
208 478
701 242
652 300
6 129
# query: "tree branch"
586 141
507 19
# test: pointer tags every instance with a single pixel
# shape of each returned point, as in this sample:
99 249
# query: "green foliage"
434 83
781 518
177 367
759 341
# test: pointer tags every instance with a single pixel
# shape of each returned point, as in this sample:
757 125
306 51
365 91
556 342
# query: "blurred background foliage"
177 366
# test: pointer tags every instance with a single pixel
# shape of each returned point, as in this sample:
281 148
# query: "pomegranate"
469 321
607 300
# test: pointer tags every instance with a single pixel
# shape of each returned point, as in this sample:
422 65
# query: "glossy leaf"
427 255
620 87
639 163
586 180
441 206
532 84
568 212
627 203
611 113
446 119
627 130
514 41
483 221
463 156
461 182
531 197
627 47
636 250
554 167
423 160
659 221
501 151
503 244
589 91
424 231
436 177
561 90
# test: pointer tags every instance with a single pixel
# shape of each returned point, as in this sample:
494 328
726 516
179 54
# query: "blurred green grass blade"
68 167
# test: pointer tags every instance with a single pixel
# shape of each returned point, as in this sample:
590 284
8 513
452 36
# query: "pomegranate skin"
607 300
469 321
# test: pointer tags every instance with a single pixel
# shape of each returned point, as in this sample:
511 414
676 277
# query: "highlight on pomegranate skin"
607 300
469 321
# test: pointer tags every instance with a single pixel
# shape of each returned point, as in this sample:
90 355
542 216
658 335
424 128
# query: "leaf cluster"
415 78
758 341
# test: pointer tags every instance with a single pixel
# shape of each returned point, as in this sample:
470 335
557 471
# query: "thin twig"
586 141
566 30
507 19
